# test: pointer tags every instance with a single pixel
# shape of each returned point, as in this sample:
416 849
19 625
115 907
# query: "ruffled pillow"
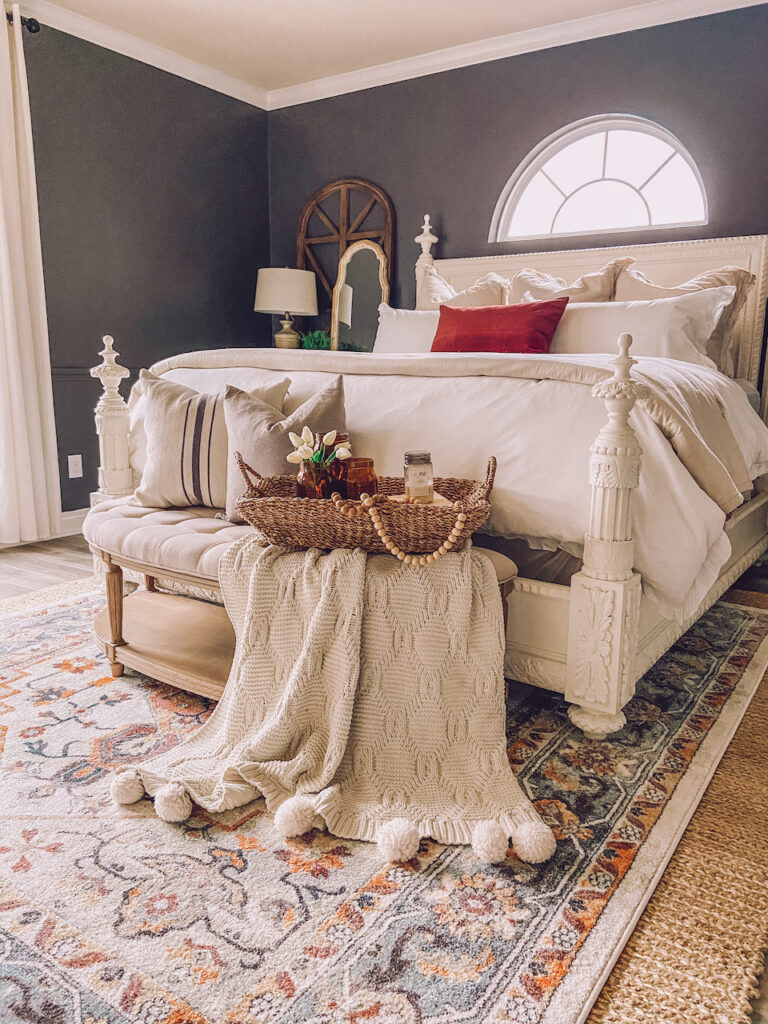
490 290
597 286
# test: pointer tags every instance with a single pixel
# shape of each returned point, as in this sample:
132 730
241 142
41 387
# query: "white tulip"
294 457
296 440
307 436
305 451
343 453
330 437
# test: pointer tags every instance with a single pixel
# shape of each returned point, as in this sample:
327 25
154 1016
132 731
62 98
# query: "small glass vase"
314 481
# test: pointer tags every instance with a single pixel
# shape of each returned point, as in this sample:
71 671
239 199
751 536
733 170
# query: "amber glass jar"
314 481
338 468
360 477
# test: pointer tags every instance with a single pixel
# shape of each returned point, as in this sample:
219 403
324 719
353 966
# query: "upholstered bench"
165 633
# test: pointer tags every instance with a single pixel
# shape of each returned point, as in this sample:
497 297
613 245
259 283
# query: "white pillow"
490 290
405 330
675 328
633 284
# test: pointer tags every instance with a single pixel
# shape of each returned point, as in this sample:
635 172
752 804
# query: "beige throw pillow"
187 443
260 433
490 290
633 284
530 285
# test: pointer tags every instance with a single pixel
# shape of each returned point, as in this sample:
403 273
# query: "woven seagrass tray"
377 524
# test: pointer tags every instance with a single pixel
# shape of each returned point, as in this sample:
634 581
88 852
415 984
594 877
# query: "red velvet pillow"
524 327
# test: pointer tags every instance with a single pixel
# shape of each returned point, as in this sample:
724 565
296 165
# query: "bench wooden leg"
114 580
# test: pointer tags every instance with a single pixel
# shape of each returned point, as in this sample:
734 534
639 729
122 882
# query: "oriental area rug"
109 915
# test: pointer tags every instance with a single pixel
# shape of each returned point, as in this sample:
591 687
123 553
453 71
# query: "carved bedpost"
426 240
605 595
112 426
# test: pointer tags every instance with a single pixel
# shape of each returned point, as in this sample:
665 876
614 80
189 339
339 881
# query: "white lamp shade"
283 290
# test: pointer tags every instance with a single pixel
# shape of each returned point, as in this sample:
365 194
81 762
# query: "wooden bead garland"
368 504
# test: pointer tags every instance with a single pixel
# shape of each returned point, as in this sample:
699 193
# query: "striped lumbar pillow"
187 443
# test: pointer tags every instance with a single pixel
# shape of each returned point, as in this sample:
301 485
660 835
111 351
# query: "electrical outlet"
75 466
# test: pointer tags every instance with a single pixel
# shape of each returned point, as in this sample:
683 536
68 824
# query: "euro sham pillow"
525 327
673 328
597 286
186 459
490 290
260 432
633 284
405 330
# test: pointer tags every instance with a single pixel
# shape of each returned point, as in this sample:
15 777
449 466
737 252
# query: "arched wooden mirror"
361 286
334 218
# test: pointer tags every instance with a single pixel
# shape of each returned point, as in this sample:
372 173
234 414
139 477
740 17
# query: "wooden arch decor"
348 210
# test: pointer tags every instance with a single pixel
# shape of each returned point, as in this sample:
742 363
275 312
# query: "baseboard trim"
72 522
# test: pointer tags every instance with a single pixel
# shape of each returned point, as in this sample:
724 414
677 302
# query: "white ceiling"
274 46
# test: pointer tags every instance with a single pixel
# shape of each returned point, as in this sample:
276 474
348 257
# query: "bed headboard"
667 263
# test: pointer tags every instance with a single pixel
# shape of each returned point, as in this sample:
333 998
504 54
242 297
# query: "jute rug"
108 918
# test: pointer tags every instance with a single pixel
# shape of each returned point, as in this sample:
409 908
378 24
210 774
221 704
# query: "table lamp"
287 293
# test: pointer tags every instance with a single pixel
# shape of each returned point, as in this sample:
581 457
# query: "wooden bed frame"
594 639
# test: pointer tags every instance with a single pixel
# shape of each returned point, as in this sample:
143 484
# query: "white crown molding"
73 24
642 15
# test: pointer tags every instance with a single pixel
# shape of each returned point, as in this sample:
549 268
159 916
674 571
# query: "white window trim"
538 156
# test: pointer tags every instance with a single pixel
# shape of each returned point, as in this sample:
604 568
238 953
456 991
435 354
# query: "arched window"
613 172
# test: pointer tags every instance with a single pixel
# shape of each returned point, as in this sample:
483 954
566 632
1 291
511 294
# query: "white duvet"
540 431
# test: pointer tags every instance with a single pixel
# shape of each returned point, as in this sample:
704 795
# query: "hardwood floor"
31 567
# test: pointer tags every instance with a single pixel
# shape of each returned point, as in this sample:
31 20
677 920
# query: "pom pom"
398 839
534 842
489 842
126 787
172 802
295 816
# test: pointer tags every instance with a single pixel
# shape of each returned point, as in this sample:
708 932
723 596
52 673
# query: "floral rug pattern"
108 915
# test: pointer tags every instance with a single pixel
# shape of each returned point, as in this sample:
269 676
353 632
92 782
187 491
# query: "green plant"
316 339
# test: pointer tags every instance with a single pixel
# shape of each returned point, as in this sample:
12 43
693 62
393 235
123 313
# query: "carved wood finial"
109 371
426 239
622 384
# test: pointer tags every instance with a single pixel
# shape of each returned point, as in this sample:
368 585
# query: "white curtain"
30 501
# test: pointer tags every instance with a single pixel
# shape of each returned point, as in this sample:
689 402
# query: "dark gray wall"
446 144
153 216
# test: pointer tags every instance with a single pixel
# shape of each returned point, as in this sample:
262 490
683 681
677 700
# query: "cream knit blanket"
372 689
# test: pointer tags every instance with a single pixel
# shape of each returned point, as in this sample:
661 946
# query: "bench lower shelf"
175 639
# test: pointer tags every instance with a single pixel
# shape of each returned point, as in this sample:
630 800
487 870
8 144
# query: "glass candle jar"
419 478
360 477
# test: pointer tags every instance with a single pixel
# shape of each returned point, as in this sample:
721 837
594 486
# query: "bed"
591 637
594 639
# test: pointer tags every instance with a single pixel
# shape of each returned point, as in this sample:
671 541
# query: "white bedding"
540 431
